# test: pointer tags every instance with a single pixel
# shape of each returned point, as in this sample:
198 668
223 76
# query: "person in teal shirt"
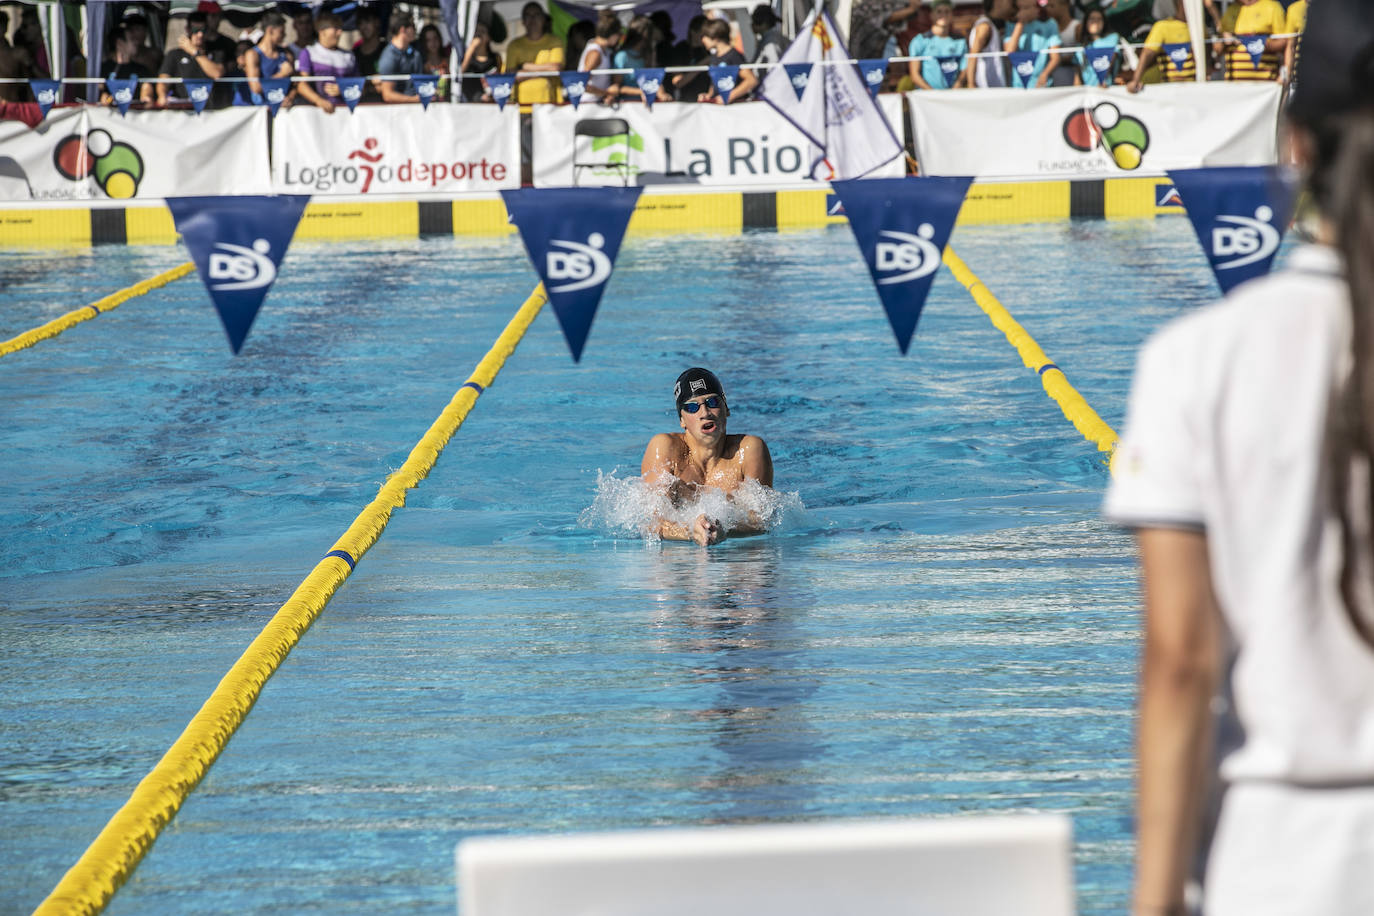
938 43
1094 34
1031 33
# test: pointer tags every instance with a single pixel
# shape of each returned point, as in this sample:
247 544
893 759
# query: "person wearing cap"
703 455
1245 471
219 46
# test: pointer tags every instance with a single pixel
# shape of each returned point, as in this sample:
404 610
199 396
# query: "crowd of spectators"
935 45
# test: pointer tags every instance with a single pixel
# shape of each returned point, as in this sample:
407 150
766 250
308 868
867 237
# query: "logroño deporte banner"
747 143
92 153
396 149
1087 132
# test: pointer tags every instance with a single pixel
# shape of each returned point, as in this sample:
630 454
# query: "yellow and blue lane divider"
1055 382
111 858
96 308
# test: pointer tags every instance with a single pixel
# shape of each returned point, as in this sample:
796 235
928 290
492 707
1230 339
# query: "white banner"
688 143
396 149
92 153
1075 132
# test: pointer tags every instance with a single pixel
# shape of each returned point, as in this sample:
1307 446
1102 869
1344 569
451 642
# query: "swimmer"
704 456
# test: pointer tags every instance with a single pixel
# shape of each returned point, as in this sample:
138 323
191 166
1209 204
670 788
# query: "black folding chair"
599 128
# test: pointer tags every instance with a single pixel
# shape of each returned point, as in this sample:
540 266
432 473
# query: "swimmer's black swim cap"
694 383
1335 71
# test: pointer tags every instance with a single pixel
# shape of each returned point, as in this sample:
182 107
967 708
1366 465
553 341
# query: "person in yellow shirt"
1253 17
1172 31
538 51
1293 23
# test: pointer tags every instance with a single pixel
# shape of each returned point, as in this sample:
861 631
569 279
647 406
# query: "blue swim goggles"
693 406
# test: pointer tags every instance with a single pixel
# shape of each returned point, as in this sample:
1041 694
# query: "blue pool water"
947 628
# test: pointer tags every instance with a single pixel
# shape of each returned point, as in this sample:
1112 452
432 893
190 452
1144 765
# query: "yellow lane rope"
87 312
111 858
1082 416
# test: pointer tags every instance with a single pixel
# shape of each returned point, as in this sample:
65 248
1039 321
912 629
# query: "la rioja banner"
573 236
237 243
902 226
1239 215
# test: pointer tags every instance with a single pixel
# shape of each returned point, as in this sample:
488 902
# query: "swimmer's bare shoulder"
663 455
755 461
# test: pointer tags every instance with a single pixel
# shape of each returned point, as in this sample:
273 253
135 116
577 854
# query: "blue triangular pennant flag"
1100 62
351 90
799 75
873 71
1023 67
902 226
274 93
1178 53
1254 46
949 70
724 77
47 93
426 87
572 236
502 87
1239 215
199 93
649 80
574 85
122 91
237 244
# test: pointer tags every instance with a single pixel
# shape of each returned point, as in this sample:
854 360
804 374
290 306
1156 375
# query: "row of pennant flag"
573 235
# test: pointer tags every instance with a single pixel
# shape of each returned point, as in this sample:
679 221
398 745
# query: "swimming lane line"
87 312
1056 384
114 854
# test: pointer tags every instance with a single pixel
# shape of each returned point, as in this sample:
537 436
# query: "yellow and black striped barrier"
114 854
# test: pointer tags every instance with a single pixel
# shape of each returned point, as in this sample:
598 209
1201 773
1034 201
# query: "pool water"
946 627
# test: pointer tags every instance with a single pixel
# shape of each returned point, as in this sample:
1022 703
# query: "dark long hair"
640 38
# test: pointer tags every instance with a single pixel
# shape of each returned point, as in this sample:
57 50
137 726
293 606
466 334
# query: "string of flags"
573 236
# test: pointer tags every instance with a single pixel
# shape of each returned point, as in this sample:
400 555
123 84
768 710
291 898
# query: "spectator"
219 46
147 55
325 58
28 41
663 38
1032 32
1061 13
1294 21
533 57
599 54
188 61
269 59
304 26
872 24
434 56
715 37
122 65
1253 17
239 92
938 42
690 52
477 60
988 71
369 47
771 44
1094 34
637 50
400 57
1173 30
14 64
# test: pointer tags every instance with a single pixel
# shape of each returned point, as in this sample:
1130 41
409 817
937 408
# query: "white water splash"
628 505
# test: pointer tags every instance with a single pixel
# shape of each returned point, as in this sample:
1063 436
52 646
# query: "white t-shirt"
1224 431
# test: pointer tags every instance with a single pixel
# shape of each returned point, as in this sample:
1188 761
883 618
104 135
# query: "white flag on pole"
835 110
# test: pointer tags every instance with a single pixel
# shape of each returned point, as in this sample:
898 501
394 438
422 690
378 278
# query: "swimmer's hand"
707 531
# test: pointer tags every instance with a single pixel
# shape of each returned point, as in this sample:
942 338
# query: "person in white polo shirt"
1245 472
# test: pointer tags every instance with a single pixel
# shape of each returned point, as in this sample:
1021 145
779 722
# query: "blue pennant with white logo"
649 80
574 85
274 93
46 93
1254 46
237 244
949 70
572 236
122 91
199 93
351 90
426 87
501 87
725 77
1022 67
1239 214
799 75
1178 53
902 226
1100 62
873 71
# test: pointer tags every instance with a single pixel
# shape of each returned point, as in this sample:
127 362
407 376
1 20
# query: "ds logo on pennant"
1244 240
584 266
241 268
914 255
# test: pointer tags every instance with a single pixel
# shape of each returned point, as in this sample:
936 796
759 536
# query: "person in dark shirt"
189 60
715 37
688 87
219 46
368 49
122 65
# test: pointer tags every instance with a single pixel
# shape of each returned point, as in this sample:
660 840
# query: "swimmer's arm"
656 466
756 464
